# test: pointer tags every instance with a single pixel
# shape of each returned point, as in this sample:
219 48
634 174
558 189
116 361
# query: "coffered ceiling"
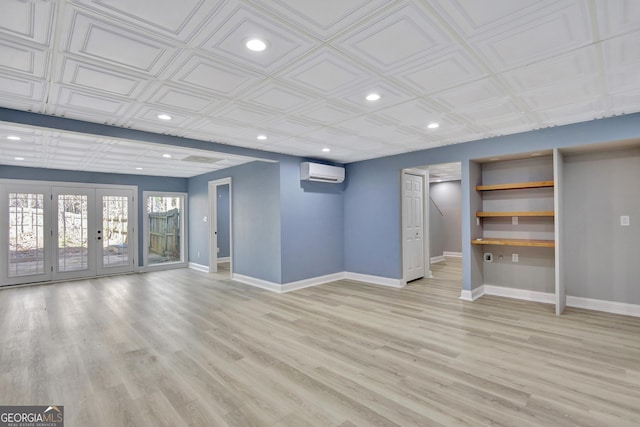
477 68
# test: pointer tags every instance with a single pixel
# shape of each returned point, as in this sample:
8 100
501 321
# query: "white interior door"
413 220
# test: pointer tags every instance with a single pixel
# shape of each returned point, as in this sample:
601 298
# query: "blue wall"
284 230
222 214
144 183
255 197
312 222
372 194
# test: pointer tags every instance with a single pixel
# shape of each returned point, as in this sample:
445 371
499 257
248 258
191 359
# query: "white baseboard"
314 281
549 298
375 280
437 259
198 267
258 283
473 294
523 294
602 305
224 259
452 254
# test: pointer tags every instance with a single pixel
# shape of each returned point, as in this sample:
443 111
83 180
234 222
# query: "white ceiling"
445 172
479 68
54 149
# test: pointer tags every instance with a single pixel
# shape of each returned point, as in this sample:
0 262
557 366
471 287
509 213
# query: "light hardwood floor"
178 348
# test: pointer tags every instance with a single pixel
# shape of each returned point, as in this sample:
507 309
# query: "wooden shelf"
502 214
515 242
515 186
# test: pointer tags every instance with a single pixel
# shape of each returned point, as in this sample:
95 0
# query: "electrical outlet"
624 220
488 257
514 257
514 220
198 254
218 250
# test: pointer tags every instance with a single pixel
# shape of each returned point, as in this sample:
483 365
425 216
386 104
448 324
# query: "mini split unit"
321 173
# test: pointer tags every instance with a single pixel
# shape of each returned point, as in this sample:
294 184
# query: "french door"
58 232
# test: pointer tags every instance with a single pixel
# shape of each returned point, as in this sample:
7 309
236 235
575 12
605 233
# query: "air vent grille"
201 159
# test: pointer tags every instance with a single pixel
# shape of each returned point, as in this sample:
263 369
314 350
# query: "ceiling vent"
201 159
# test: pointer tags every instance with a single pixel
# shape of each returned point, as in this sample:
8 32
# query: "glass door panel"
75 232
26 234
115 252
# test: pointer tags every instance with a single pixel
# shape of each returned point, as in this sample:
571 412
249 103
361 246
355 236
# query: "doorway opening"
220 228
442 234
445 222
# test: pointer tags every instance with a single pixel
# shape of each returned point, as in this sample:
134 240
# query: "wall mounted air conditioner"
321 173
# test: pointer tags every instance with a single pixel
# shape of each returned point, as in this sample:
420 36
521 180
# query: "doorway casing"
213 224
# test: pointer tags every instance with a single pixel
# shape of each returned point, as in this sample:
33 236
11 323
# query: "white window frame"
184 235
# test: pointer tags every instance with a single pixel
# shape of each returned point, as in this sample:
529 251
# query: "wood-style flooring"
184 348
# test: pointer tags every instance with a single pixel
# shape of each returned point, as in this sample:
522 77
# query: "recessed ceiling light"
373 97
164 117
18 158
14 138
168 156
262 137
256 45
433 125
138 169
326 149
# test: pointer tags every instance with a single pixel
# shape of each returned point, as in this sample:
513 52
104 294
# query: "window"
165 231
